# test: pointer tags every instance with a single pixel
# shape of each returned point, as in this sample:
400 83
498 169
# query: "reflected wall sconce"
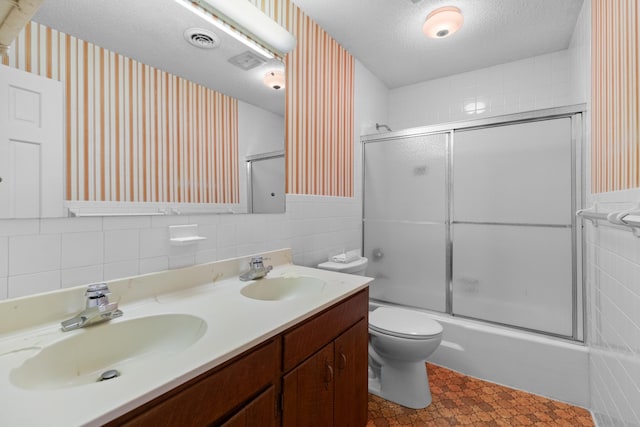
275 79
443 22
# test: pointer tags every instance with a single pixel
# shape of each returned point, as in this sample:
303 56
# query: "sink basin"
124 345
283 288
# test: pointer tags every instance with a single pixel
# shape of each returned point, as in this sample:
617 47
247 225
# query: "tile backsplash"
42 255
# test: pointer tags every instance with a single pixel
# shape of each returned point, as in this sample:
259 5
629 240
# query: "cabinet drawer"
317 332
204 400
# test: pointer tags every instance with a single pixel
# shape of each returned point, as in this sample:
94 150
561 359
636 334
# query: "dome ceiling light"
274 79
443 22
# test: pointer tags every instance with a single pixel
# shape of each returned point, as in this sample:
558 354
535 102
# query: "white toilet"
400 340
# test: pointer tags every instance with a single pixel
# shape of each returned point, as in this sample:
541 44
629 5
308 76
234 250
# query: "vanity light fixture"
443 22
275 79
226 28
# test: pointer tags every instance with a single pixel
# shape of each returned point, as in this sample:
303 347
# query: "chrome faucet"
97 309
257 270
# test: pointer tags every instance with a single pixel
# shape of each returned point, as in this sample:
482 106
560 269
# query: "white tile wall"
539 82
107 248
151 265
80 276
3 287
82 249
121 245
28 284
613 322
115 270
34 253
4 258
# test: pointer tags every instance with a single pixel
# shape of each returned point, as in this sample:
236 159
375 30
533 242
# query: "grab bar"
627 218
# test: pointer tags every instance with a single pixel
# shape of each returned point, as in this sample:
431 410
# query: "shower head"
379 126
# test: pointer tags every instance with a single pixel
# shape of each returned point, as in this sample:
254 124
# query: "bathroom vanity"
284 356
315 373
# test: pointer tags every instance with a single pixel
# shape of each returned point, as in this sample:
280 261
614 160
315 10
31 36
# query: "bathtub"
548 367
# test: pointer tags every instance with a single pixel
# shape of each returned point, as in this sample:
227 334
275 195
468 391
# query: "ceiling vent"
247 60
203 39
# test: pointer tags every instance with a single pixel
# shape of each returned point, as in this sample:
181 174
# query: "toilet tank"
357 267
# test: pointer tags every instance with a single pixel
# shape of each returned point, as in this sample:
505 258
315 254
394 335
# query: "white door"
31 145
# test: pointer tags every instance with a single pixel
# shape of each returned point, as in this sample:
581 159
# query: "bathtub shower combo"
474 221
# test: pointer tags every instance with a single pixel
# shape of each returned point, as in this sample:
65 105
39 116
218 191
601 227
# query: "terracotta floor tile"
459 400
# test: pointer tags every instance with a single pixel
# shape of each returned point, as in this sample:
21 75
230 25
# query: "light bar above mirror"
248 19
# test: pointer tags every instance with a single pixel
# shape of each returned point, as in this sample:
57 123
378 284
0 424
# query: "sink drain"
109 375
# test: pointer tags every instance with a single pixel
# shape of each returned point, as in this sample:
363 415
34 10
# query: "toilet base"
406 384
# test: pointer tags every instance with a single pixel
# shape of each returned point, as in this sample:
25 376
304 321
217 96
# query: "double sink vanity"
193 347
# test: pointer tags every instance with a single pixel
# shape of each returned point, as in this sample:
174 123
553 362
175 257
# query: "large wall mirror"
163 112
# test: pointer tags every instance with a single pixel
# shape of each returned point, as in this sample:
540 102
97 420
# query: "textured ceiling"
386 35
151 31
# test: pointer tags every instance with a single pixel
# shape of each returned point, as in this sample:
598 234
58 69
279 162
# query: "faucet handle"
257 261
97 290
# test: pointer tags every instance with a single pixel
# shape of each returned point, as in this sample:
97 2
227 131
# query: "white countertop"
234 324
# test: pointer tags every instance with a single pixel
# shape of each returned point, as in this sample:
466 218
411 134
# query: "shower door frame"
576 114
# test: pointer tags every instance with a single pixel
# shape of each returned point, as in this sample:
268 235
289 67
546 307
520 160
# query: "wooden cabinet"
351 376
262 411
214 395
330 386
308 391
313 374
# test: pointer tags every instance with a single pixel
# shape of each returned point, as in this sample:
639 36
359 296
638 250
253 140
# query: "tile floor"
459 400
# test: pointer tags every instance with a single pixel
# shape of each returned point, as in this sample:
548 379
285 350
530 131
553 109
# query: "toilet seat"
403 323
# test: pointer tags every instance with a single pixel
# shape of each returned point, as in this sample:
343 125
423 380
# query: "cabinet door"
350 402
308 391
260 412
208 399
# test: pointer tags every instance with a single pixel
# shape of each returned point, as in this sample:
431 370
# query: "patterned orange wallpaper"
133 132
319 110
615 153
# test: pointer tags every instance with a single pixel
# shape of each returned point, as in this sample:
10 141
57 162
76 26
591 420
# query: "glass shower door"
405 219
512 225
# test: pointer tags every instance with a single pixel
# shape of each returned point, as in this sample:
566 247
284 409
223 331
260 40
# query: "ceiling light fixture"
443 22
275 79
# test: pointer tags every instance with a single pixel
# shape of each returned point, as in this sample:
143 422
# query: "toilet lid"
403 323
